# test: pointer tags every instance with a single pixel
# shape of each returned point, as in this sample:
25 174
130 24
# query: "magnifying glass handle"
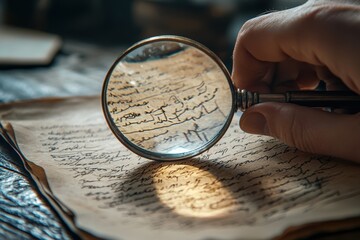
330 99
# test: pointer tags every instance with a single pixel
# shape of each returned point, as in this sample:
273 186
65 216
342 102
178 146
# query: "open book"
245 187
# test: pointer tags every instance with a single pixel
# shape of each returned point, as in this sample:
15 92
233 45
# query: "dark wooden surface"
78 69
24 214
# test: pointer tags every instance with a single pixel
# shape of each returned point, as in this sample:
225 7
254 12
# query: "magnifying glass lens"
168 98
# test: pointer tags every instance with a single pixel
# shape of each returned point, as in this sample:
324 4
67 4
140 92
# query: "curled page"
245 187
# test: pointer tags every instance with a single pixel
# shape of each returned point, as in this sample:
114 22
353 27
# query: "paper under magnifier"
170 98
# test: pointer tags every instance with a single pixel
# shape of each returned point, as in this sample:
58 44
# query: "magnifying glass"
170 98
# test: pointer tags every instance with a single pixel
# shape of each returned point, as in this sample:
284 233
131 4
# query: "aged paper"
171 105
245 187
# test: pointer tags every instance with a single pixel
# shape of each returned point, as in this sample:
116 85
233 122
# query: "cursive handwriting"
243 182
169 96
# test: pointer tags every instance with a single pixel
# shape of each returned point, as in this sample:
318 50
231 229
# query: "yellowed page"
245 187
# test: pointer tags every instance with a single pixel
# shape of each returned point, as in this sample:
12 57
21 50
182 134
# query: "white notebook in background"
27 47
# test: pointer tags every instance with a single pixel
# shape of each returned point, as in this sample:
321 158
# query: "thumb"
308 129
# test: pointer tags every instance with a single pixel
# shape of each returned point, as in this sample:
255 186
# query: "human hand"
293 50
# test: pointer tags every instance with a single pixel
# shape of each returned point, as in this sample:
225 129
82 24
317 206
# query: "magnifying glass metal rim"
167 156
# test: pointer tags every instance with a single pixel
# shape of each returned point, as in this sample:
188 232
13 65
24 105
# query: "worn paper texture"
170 105
245 187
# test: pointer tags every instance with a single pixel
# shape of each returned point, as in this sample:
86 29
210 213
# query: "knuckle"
256 24
246 29
248 24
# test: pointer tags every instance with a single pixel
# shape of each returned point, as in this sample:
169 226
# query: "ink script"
172 104
246 186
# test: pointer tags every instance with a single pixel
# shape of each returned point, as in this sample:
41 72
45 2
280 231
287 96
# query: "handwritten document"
171 105
245 187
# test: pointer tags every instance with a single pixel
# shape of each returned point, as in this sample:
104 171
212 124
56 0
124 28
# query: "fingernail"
255 123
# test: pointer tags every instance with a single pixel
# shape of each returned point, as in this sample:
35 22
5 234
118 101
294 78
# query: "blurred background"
214 23
60 48
85 37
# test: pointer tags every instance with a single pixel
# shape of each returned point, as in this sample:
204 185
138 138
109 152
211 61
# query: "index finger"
322 35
